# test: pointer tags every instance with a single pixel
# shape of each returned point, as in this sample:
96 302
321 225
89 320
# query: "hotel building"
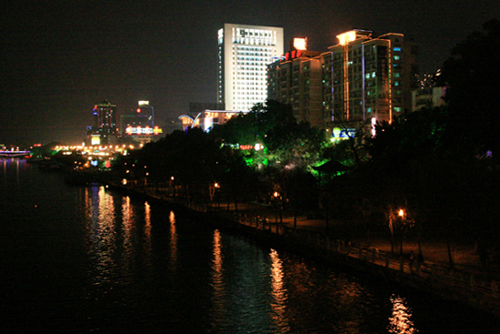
243 55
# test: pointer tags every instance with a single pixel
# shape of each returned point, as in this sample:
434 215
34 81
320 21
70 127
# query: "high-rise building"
359 81
105 127
244 53
295 79
105 118
369 79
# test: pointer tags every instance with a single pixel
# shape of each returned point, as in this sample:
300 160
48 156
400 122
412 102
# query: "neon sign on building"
137 130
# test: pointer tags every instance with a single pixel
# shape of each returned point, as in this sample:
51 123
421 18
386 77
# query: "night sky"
59 58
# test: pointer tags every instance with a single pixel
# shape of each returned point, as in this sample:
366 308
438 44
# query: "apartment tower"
368 79
295 79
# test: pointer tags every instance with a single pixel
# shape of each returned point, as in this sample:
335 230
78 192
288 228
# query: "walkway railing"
464 283
430 272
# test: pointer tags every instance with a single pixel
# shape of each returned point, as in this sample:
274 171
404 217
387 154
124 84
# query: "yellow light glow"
300 43
347 37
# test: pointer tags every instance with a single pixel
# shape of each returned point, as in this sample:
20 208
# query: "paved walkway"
467 282
465 257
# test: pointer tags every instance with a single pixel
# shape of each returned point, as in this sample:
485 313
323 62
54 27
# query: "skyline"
60 58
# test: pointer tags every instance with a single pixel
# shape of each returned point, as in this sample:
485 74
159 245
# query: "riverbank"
467 283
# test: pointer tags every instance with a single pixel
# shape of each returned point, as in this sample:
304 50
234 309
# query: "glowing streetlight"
212 189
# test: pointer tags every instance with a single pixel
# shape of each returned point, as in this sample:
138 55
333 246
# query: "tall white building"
244 53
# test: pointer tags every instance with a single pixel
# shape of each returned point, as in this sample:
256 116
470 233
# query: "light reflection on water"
278 292
401 318
173 241
101 217
218 296
143 268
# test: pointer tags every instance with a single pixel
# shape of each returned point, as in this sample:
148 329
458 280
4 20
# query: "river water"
86 259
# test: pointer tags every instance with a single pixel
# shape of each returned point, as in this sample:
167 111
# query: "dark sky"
59 58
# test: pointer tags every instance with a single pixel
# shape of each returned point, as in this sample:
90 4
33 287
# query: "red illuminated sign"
292 55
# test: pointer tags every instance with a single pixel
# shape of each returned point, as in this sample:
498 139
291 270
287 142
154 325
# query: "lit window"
396 57
397 109
374 74
397 49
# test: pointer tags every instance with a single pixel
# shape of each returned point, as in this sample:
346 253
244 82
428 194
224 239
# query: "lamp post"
171 188
402 216
212 190
278 201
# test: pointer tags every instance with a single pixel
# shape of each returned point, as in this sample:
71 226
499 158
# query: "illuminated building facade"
368 79
142 116
243 55
207 119
360 81
428 97
139 125
105 127
105 118
295 79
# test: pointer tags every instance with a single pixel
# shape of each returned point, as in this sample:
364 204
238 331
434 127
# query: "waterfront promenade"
467 282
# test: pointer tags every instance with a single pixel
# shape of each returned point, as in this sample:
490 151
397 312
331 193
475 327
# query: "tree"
294 145
472 78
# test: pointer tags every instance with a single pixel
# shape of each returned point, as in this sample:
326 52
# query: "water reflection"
278 292
128 219
93 260
400 321
19 164
147 220
218 300
173 241
100 212
147 230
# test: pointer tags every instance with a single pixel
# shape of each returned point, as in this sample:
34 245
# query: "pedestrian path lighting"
212 189
402 227
279 206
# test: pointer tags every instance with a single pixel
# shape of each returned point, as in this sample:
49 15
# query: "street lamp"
401 214
212 189
278 199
